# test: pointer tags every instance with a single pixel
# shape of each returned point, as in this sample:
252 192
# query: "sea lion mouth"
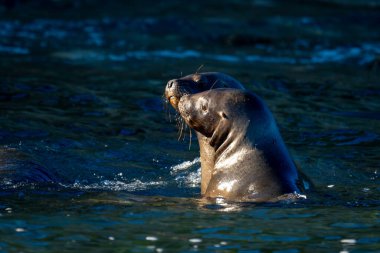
173 100
175 90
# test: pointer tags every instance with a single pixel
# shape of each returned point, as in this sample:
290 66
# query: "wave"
187 173
363 54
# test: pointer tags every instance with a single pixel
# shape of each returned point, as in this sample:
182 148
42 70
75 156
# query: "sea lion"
195 83
251 161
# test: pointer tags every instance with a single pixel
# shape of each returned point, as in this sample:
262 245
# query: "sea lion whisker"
180 127
214 84
169 115
199 68
184 126
190 137
166 108
180 133
178 123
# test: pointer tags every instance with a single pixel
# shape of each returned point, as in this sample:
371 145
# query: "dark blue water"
89 153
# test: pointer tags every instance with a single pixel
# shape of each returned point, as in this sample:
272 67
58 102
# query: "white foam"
195 240
184 165
348 241
151 238
185 175
118 185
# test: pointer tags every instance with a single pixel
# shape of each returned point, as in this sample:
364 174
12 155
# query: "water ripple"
14 50
362 55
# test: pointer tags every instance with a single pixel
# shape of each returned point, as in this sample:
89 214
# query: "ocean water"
90 155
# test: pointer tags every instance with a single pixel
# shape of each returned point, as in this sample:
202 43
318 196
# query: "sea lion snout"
171 93
184 105
174 91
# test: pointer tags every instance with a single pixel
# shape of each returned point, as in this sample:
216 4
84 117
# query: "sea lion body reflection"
251 162
192 84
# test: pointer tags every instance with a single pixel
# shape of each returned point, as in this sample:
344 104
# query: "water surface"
81 90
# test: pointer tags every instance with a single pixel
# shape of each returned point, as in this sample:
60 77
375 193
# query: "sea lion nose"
171 83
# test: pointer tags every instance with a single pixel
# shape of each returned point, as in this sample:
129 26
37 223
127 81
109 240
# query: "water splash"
188 173
184 165
116 185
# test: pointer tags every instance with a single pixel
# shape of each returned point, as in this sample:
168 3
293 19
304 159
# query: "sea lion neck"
233 134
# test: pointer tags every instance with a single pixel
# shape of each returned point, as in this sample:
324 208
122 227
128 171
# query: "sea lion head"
198 82
211 113
215 113
199 113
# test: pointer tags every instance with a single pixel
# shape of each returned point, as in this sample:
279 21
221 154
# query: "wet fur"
192 84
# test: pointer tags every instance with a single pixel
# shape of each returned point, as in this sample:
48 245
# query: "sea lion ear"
223 115
220 133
